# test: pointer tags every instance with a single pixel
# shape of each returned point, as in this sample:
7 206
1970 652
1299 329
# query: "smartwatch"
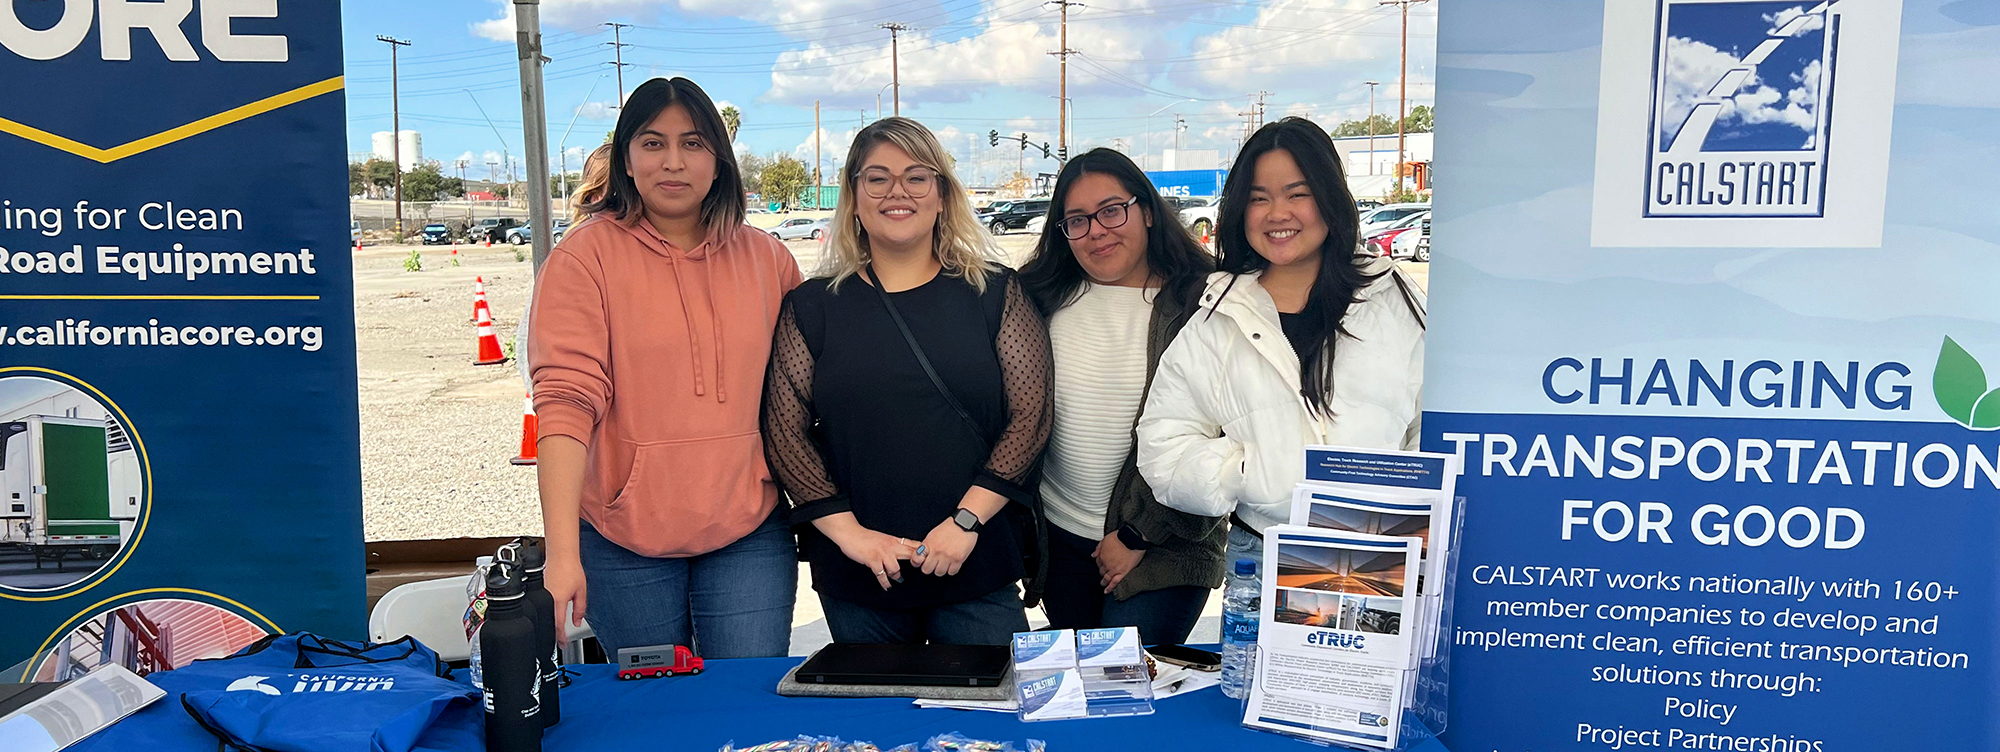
1130 536
967 520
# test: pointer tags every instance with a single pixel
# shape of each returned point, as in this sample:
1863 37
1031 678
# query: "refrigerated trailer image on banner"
177 368
1713 330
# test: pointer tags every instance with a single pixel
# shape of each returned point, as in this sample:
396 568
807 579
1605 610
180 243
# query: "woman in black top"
910 507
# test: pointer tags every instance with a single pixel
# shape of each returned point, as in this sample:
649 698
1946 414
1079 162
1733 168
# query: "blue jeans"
1243 544
733 602
988 620
1074 599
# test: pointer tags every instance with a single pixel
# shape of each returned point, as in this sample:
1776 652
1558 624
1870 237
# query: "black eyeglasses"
917 182
1109 217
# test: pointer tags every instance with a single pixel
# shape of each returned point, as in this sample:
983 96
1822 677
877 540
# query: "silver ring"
880 573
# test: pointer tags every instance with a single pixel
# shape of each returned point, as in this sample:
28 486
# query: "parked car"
354 235
1382 218
491 230
1198 213
1016 215
991 209
1364 205
1036 225
436 233
1405 244
526 232
1380 241
800 229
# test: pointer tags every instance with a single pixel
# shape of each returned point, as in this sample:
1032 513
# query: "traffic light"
1024 142
993 138
1045 150
1062 154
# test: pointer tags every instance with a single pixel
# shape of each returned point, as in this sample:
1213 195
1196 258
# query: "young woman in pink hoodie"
653 325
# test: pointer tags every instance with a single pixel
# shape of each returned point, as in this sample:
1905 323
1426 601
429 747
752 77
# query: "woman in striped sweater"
1116 275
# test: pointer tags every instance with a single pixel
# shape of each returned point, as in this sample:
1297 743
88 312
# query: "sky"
966 67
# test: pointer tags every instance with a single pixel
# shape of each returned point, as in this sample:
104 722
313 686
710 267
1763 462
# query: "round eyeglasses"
878 182
1110 217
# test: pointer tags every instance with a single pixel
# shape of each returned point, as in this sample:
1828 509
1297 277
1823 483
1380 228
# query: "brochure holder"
1426 683
1086 673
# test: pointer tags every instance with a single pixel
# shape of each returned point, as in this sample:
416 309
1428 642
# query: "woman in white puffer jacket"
1297 341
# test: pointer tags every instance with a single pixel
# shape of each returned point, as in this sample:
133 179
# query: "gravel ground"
436 431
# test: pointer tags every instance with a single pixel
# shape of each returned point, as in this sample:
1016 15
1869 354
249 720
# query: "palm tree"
732 119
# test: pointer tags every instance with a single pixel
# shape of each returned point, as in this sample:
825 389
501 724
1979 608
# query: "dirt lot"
437 431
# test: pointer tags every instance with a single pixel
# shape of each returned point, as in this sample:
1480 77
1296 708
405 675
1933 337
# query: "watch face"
966 519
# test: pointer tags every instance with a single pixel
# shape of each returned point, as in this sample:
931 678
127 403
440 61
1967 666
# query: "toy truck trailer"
657 661
57 488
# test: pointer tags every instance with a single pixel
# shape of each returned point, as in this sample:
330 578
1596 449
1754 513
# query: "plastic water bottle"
475 615
1240 604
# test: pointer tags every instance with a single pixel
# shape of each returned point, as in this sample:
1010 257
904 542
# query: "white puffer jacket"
1224 428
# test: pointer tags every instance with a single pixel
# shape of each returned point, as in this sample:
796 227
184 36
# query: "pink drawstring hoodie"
653 356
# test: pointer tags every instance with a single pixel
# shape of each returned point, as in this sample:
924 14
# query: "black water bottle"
510 662
542 607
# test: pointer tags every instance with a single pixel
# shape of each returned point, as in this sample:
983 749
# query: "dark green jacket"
1186 549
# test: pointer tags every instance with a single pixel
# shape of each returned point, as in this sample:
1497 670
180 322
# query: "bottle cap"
503 582
532 558
1246 567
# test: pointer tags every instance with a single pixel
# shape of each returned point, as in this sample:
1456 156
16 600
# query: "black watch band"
967 520
1132 539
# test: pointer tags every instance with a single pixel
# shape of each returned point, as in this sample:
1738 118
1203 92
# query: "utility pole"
1402 86
816 177
1371 124
1180 124
618 46
1062 88
895 66
534 125
396 126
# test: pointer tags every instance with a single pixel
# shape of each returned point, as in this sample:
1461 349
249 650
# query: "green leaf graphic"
1986 412
1958 382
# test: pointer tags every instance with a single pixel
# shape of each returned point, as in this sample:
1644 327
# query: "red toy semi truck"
657 661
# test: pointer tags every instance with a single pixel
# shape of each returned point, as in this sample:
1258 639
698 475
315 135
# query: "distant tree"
732 119
1383 124
357 179
381 174
784 180
1419 120
427 183
753 167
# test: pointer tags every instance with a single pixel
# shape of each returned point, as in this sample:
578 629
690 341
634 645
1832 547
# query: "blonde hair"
596 175
959 242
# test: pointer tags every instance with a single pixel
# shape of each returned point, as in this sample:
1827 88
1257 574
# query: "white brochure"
1336 637
1349 484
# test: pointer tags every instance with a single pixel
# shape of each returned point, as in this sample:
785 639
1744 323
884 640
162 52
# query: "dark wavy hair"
1052 277
1339 277
723 209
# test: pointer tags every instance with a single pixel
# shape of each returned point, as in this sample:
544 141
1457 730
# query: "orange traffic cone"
478 296
528 429
489 343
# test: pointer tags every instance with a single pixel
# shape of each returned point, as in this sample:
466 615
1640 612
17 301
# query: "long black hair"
1052 278
723 209
1339 277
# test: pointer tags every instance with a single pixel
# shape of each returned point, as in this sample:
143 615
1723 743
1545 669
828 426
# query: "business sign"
1188 183
1723 381
178 440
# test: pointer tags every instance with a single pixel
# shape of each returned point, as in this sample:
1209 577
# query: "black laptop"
912 665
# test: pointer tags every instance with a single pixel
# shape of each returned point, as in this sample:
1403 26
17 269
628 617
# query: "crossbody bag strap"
918 350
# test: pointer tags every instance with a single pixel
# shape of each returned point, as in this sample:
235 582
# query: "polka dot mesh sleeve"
788 417
1027 371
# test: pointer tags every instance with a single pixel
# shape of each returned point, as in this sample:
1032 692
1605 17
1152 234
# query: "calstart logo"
1744 123
1742 109
315 682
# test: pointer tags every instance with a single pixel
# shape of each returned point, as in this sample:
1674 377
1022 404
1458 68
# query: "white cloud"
1780 18
605 110
1693 68
1300 43
800 16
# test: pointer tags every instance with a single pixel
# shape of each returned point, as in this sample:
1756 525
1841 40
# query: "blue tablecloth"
735 701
